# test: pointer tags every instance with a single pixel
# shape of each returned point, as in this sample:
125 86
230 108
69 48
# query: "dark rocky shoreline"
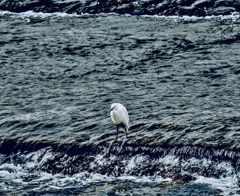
137 7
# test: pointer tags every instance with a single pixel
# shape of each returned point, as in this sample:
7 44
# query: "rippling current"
178 77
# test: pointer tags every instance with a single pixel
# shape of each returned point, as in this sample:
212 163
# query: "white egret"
120 118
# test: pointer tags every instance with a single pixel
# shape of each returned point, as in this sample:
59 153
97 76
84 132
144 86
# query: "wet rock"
182 178
237 71
144 7
22 6
203 3
236 4
186 10
124 9
219 3
71 8
221 10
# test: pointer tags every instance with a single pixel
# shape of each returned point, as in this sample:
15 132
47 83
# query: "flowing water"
178 77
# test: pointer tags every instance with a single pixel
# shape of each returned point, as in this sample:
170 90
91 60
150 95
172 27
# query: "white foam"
135 162
148 179
229 185
82 179
233 16
28 14
16 174
38 158
31 14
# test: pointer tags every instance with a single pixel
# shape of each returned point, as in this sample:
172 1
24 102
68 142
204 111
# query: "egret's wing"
115 118
124 116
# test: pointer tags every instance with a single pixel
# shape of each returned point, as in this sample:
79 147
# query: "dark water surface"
177 76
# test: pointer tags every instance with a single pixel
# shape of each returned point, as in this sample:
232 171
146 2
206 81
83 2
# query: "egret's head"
113 106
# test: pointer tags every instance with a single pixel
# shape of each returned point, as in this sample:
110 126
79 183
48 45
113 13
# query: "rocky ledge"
133 7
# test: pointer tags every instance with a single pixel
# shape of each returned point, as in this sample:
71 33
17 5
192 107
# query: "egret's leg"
126 133
117 134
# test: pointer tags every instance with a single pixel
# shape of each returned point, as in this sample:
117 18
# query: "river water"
177 76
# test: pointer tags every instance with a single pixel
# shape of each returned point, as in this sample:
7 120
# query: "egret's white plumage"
120 118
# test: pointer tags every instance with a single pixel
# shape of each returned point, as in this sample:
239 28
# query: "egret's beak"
111 110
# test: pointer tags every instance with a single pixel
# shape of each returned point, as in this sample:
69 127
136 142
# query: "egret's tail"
124 128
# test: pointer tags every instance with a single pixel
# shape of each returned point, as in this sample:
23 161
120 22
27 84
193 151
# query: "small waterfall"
119 160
